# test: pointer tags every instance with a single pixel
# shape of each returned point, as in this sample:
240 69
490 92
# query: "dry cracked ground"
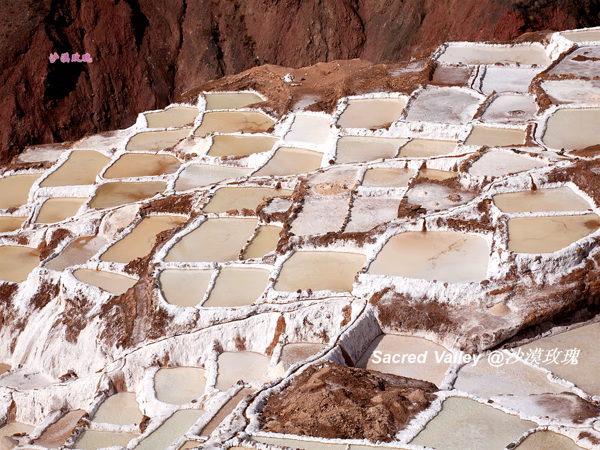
342 256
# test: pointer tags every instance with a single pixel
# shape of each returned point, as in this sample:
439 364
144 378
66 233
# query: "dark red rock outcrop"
146 53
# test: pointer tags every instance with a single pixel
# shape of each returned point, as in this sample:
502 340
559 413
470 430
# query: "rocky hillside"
147 53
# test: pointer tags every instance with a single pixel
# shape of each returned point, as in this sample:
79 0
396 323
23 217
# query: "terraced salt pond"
371 112
198 175
490 55
57 433
549 234
426 148
424 368
215 240
185 287
142 239
14 429
119 409
541 200
387 177
296 352
435 255
582 35
142 165
238 198
265 241
81 168
233 122
436 175
320 271
246 366
237 286
309 129
511 109
547 440
116 194
155 141
93 440
230 100
444 105
291 161
179 385
177 116
77 252
352 149
237 145
173 428
299 443
482 427
110 282
9 223
58 209
14 190
16 262
496 137
500 163
573 129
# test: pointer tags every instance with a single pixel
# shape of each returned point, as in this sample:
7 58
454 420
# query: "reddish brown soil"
338 402
158 49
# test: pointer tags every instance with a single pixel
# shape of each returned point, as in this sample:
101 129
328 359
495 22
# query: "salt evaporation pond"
584 374
351 149
319 271
215 240
233 122
426 148
9 223
58 209
198 175
238 145
179 385
549 234
140 241
443 105
309 129
387 177
435 197
4 368
231 100
14 190
445 256
218 418
237 286
581 63
499 164
238 198
108 281
265 241
508 79
14 428
291 161
547 440
174 427
541 200
246 366
133 165
177 116
572 91
81 168
298 443
155 141
119 409
496 137
371 112
16 262
296 352
573 129
425 368
436 175
185 287
77 252
116 194
511 109
582 35
93 440
56 434
481 427
490 55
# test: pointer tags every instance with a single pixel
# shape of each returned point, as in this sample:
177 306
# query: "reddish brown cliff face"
147 53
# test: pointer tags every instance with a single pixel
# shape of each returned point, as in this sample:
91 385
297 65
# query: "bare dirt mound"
338 402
